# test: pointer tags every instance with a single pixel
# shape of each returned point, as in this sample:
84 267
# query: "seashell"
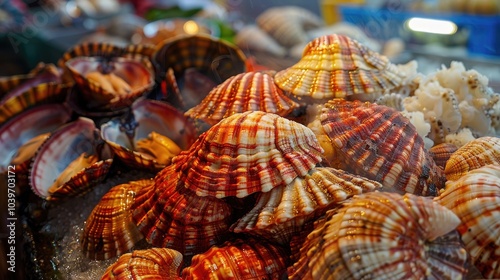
379 143
440 153
154 263
246 153
172 216
299 202
250 91
109 230
475 199
288 24
252 38
335 66
476 153
76 153
380 235
239 259
127 135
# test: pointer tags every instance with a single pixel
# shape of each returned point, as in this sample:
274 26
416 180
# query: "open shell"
247 153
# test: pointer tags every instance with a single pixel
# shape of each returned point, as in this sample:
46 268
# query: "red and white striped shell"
249 91
442 152
381 235
240 259
154 263
246 153
109 230
379 143
338 66
475 199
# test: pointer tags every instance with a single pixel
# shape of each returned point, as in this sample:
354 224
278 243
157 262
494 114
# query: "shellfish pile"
259 175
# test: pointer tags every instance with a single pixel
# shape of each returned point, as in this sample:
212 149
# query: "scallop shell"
109 230
477 153
338 66
154 263
123 134
379 143
299 202
250 91
247 153
442 152
380 235
240 259
475 199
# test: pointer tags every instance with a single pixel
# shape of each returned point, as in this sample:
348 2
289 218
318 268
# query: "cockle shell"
477 153
280 213
379 143
240 259
109 230
247 153
381 235
338 66
249 91
154 263
442 152
475 199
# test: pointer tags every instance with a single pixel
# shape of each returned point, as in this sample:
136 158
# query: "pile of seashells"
256 174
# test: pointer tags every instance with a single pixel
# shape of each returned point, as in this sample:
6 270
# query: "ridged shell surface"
379 143
109 230
250 91
441 153
475 199
154 263
240 259
380 235
475 154
338 66
247 153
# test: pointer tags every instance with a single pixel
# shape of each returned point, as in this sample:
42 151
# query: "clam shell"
379 143
380 235
90 49
475 199
302 200
250 91
247 153
338 66
109 230
477 153
239 259
440 153
154 263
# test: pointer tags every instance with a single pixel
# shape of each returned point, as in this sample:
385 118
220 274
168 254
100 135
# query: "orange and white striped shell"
381 235
109 230
475 199
338 66
246 153
249 91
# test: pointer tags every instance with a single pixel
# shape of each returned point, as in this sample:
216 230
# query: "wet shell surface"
250 91
239 259
338 66
300 201
475 154
475 199
154 263
380 235
247 153
109 230
442 152
379 143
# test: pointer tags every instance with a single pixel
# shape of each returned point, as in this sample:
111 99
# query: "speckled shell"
302 200
475 199
338 66
154 263
477 153
240 259
380 235
379 143
250 91
442 152
109 230
247 153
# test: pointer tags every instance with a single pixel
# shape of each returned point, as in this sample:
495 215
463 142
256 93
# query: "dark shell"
441 153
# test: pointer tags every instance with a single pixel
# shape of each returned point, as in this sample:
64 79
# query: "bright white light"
432 26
